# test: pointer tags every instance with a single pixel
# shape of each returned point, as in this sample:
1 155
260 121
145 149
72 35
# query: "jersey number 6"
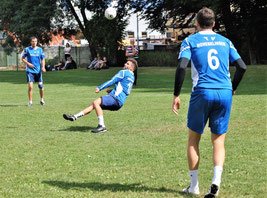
213 60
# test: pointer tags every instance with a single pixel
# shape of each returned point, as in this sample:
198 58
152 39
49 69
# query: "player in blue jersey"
116 97
34 58
211 98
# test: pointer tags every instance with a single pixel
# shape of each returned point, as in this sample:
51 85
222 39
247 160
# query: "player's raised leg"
30 84
193 161
96 104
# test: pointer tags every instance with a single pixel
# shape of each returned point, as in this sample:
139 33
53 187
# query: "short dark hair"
205 17
132 60
33 37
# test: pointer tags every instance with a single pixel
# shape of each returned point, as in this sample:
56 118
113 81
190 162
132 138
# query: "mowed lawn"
143 154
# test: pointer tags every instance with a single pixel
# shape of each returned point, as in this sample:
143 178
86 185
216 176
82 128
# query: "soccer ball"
110 13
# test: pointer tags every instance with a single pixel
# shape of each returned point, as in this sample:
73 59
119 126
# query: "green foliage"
102 34
142 155
51 61
23 19
243 22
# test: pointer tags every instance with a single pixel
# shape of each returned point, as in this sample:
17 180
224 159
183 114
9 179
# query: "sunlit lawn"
143 154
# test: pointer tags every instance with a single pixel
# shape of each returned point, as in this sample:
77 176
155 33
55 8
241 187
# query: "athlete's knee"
97 102
30 87
41 86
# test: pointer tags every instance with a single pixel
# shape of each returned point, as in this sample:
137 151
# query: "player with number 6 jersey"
123 81
211 98
210 54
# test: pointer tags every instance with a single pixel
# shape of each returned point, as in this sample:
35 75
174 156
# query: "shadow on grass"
78 129
113 187
150 79
12 105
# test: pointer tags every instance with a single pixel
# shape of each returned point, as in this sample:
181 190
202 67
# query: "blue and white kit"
34 56
123 81
211 97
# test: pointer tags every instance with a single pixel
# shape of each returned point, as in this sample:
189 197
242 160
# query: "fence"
81 55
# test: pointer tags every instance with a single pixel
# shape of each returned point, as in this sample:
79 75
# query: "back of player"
210 54
211 97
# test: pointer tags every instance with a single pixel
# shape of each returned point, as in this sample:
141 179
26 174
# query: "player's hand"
176 104
43 69
30 65
97 90
109 90
233 93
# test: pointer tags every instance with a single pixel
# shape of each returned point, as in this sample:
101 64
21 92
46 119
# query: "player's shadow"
113 187
78 129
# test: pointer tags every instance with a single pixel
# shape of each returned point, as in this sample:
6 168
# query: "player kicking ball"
116 97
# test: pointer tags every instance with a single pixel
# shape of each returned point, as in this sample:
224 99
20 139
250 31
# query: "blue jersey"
123 81
210 54
34 56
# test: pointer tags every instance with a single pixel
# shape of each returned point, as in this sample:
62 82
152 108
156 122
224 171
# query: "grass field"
143 154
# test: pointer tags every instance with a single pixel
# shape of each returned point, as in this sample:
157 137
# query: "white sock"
217 175
194 178
101 121
78 115
42 100
30 101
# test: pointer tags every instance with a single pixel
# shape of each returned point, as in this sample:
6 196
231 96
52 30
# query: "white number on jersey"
212 59
130 85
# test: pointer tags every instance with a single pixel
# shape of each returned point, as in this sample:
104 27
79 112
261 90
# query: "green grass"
143 154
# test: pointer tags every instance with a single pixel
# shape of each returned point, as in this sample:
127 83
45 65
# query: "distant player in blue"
34 58
211 98
123 81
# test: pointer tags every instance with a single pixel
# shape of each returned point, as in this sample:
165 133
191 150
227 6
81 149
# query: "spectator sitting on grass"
70 64
93 63
60 65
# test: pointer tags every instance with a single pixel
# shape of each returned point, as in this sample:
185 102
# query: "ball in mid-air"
110 13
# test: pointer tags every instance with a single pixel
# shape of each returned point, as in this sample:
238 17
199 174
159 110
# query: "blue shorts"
109 102
34 77
212 104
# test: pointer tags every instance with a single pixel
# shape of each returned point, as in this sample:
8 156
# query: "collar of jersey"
206 32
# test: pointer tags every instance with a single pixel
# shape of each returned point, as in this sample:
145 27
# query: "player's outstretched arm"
240 70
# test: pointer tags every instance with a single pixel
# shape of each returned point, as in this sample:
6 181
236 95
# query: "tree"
242 21
100 32
22 19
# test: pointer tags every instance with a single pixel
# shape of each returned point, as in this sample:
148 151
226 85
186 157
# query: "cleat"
29 104
213 191
189 190
69 117
99 129
42 102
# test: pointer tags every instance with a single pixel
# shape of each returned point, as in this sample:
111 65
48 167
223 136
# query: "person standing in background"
132 52
35 65
67 51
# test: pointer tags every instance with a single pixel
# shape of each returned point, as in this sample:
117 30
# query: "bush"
158 58
51 61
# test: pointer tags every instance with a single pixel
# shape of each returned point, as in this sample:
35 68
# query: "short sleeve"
185 50
42 54
24 53
233 53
